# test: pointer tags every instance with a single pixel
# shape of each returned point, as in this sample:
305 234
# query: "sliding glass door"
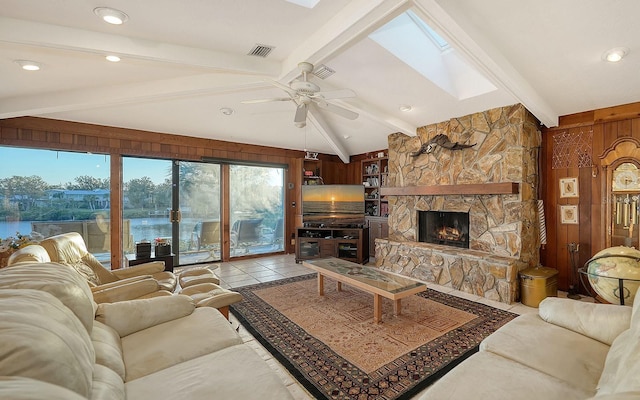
163 201
174 203
198 200
256 201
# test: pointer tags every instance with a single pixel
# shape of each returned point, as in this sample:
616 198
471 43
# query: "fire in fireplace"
444 227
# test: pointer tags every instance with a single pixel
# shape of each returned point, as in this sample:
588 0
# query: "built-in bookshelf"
374 176
312 172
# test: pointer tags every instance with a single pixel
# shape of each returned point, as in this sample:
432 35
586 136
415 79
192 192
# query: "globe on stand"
614 273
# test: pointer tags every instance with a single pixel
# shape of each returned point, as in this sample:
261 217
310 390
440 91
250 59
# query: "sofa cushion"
617 396
488 376
62 282
202 332
236 372
33 253
550 349
42 339
108 348
107 385
622 367
21 388
70 249
586 318
127 317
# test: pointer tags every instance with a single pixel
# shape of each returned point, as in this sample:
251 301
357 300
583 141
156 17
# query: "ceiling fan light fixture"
29 65
616 54
111 15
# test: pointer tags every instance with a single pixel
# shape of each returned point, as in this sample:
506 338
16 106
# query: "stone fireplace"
494 183
448 228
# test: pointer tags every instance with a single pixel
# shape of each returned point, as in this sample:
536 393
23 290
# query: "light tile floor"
258 270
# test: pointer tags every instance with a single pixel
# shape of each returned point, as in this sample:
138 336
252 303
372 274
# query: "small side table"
168 261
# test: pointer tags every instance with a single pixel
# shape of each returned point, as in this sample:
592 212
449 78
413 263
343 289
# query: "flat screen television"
333 205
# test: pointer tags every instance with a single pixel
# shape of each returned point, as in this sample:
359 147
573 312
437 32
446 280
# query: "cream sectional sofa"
569 350
57 343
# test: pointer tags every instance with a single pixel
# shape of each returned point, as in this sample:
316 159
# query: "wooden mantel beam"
474 188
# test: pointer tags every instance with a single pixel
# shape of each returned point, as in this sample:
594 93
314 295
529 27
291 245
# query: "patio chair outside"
245 232
278 233
207 234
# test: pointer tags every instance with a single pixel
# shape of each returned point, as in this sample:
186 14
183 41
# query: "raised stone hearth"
503 228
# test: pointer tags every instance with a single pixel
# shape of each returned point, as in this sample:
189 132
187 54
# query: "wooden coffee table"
379 283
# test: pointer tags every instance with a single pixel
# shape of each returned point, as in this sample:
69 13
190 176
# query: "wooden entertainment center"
351 244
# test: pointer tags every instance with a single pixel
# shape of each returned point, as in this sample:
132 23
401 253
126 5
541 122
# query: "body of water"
141 228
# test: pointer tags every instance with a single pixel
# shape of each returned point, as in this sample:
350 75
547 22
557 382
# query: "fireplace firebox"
444 227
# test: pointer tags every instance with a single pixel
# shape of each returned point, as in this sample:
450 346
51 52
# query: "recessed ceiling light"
227 110
615 54
112 58
28 65
111 15
405 108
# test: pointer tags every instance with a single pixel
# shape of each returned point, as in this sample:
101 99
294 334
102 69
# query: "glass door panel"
199 205
256 209
146 203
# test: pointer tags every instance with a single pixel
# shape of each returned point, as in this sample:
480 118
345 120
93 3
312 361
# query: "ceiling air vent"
323 72
260 50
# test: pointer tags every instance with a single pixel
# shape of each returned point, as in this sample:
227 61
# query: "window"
53 192
416 44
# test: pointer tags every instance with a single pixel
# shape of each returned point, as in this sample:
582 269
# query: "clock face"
626 178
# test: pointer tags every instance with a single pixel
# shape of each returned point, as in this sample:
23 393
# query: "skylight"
416 44
305 3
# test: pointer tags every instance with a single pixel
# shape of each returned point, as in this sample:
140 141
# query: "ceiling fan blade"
336 94
265 100
301 113
343 112
282 86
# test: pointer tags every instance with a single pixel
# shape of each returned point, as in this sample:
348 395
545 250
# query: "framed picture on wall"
569 214
568 187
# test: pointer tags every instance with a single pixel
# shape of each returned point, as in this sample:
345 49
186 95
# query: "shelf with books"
374 176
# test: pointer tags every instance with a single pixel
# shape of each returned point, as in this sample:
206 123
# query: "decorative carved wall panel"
572 150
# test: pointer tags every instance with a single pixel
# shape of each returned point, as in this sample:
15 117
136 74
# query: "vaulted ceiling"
186 65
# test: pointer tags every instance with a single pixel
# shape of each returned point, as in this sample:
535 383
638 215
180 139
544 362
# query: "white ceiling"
184 61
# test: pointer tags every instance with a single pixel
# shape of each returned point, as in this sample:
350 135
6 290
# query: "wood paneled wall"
606 125
31 132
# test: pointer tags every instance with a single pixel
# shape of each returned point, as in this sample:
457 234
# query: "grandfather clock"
622 165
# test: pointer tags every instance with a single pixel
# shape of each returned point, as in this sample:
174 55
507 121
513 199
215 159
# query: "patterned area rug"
331 345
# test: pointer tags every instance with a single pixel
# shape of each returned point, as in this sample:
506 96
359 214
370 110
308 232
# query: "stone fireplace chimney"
495 181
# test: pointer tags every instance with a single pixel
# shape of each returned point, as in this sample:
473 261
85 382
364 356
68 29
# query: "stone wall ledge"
486 275
452 251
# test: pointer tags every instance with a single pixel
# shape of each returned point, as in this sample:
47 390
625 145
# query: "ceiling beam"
83 99
481 53
353 23
65 38
317 120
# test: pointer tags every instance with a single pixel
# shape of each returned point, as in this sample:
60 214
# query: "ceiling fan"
306 94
